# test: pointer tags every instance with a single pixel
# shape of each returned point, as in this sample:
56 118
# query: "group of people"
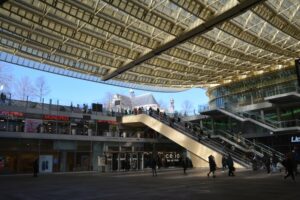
290 163
227 162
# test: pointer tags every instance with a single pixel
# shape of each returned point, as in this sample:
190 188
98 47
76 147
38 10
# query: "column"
262 115
63 161
212 124
278 112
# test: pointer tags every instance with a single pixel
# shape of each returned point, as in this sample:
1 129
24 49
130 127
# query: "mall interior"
245 54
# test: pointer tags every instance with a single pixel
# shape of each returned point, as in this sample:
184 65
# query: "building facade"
67 139
264 108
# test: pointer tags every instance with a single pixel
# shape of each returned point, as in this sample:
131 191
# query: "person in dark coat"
224 162
274 162
184 164
267 162
212 165
289 165
35 167
230 165
153 166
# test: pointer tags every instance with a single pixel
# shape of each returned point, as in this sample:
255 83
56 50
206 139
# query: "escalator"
243 117
270 125
187 139
256 148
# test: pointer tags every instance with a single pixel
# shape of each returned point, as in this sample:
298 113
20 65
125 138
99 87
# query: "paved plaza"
171 184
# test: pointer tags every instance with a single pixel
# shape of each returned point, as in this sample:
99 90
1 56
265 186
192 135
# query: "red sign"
107 121
56 117
15 114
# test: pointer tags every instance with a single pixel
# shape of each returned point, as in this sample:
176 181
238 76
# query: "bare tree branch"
24 88
41 88
5 78
187 107
107 100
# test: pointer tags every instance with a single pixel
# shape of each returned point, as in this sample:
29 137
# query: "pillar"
63 161
262 115
278 113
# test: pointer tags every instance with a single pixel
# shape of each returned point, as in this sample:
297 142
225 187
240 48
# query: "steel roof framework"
95 38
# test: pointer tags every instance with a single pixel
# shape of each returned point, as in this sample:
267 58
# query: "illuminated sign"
295 139
15 114
172 157
56 117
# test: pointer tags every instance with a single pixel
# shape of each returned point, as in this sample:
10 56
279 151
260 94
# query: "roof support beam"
210 24
2 2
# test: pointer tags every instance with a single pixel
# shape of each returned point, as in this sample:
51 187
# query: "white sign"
45 163
295 139
101 161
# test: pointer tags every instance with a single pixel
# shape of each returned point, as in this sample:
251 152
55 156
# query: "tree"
187 107
5 79
107 100
41 88
24 88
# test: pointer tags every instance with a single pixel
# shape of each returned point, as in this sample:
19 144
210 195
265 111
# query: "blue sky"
68 90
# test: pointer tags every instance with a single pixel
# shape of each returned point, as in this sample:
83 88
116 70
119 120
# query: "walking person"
296 159
267 162
224 162
212 165
184 164
289 166
254 163
230 165
274 163
153 166
35 167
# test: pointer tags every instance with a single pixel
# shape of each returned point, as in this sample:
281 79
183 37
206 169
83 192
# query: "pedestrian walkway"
169 184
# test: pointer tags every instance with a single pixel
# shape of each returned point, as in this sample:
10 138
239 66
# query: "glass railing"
252 98
282 90
56 107
269 122
259 118
69 128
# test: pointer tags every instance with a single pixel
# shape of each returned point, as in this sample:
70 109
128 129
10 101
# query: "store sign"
172 157
32 125
107 121
15 114
56 117
295 139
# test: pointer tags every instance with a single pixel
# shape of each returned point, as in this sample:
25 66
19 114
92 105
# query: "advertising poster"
32 125
45 163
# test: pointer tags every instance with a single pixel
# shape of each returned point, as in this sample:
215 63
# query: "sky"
67 89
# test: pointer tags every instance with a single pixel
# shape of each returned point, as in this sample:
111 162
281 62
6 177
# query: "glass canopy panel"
96 37
5 57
